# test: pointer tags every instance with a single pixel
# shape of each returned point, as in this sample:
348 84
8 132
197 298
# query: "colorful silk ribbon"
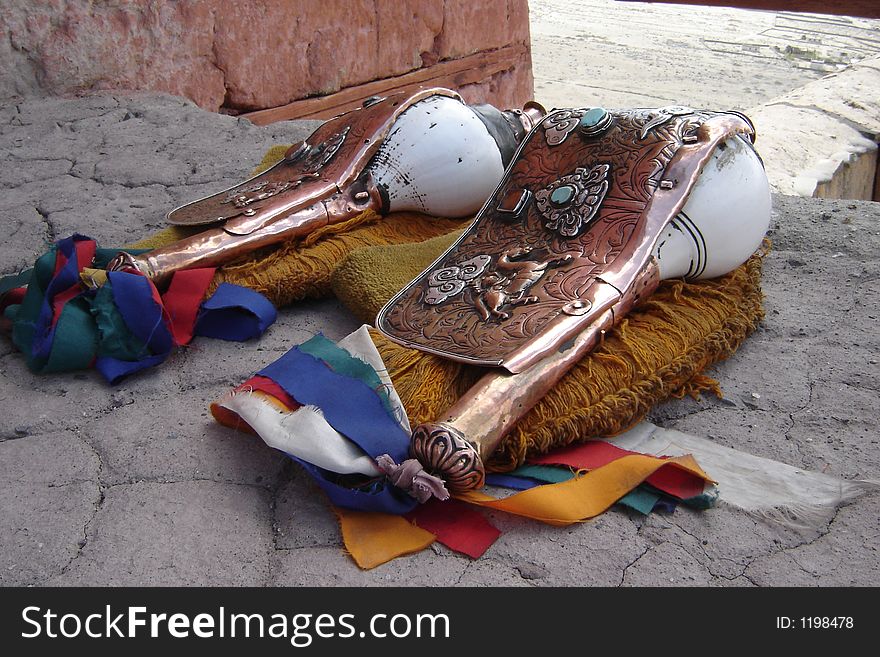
590 455
359 407
124 325
354 409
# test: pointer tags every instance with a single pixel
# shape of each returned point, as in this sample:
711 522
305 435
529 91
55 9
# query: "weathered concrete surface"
135 484
249 55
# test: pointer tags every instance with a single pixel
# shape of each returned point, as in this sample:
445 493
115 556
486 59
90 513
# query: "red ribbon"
596 453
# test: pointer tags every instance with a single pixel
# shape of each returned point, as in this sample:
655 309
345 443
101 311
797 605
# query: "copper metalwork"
216 246
587 189
530 115
330 159
443 450
319 181
585 249
481 417
519 292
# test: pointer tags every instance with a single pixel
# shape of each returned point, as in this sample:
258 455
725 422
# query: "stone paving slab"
135 484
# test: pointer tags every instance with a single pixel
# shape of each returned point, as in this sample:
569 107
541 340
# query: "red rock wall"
244 56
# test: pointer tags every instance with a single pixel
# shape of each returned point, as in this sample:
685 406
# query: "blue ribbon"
235 313
377 495
357 412
133 297
349 405
67 276
232 313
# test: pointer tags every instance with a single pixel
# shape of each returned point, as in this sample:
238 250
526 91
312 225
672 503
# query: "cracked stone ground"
135 484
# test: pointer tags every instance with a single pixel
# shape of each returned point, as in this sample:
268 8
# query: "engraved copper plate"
331 157
520 283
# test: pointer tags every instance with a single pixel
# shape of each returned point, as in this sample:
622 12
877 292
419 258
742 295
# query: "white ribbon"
796 498
304 433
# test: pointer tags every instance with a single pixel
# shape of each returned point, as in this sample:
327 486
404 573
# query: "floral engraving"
560 124
569 204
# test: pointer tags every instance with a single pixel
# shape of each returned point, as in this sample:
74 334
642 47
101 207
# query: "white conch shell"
724 219
439 158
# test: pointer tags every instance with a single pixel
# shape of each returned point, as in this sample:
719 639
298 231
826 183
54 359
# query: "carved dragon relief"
506 279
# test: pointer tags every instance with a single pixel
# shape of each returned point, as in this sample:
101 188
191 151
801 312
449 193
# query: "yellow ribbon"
585 496
375 538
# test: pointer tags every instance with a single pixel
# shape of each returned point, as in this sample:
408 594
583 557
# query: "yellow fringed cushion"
659 350
301 269
371 276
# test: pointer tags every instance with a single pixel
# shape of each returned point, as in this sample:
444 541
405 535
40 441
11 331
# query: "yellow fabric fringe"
301 269
659 350
166 236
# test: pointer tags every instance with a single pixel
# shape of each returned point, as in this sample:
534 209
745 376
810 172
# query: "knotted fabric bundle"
68 313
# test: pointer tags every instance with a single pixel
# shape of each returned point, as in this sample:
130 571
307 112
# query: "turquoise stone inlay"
594 122
593 117
562 195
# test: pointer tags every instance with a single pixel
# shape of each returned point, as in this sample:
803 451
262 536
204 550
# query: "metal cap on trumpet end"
123 261
126 262
531 114
445 452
